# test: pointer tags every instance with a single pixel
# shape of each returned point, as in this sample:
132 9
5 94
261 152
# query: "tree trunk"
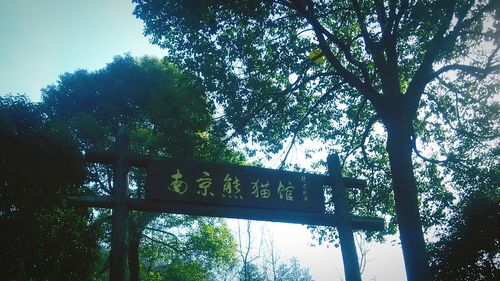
138 222
133 254
399 147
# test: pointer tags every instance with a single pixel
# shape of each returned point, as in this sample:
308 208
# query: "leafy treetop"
423 72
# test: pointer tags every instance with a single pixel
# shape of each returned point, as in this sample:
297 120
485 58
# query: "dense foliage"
166 113
193 249
469 245
42 237
377 81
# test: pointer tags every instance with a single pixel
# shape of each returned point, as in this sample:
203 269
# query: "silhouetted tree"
167 114
41 237
377 80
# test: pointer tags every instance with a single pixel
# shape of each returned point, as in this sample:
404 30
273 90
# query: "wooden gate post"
119 230
346 236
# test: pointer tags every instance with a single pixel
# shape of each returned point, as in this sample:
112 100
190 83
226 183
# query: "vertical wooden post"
119 238
346 236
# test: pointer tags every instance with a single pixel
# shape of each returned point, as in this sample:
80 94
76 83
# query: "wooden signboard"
232 185
199 188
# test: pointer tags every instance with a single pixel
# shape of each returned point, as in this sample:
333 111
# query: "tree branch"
403 8
372 46
321 100
447 120
478 72
463 23
163 232
349 78
364 136
424 71
342 46
100 221
298 83
417 152
97 178
382 17
171 246
355 127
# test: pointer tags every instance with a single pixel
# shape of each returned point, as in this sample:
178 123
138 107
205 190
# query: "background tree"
469 247
293 271
260 260
42 237
375 80
166 113
249 270
199 249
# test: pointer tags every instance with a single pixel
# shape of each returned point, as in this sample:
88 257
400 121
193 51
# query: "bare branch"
292 143
245 254
363 250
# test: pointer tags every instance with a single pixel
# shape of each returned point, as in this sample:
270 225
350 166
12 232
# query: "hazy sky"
40 40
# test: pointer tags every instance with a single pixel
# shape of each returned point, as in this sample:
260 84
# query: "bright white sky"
40 40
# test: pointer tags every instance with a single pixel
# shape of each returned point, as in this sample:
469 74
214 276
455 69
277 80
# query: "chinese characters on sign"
204 184
199 182
177 185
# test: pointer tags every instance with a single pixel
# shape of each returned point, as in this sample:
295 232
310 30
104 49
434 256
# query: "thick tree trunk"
133 254
399 147
138 223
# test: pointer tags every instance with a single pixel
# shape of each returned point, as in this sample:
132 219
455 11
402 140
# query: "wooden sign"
232 185
199 188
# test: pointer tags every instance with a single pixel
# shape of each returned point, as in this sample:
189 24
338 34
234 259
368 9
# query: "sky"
40 40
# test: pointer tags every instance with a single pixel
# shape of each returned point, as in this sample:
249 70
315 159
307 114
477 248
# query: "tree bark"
138 222
133 252
399 147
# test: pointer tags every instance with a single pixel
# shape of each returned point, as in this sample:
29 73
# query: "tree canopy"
375 80
42 237
468 247
167 114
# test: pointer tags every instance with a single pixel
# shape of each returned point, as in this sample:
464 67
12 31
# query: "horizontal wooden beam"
105 157
359 223
92 201
142 161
